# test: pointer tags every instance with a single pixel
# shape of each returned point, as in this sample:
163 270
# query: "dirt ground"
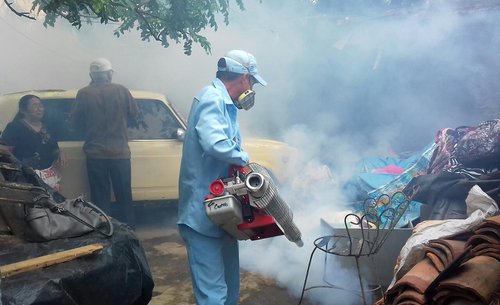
167 259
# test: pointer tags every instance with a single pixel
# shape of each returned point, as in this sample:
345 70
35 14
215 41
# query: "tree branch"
20 14
140 15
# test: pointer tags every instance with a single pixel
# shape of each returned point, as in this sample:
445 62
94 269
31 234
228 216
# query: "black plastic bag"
480 145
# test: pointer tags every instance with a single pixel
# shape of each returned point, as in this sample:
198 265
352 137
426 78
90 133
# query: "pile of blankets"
461 269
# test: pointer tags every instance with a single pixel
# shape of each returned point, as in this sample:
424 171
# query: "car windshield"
183 119
156 121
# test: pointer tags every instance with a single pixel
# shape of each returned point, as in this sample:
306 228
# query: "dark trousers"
104 173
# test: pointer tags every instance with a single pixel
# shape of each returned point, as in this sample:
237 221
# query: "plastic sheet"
479 207
371 181
119 274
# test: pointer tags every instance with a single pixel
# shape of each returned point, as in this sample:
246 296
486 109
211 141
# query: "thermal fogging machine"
247 206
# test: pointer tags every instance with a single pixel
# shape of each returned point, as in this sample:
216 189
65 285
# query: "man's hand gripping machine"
248 206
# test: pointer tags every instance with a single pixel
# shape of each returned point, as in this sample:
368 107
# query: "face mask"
245 100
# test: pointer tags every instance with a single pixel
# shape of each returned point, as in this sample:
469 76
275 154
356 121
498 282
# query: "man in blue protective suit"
212 144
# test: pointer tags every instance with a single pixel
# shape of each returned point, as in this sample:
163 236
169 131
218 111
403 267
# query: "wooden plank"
9 166
48 260
19 192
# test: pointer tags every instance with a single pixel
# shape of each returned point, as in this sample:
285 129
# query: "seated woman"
31 143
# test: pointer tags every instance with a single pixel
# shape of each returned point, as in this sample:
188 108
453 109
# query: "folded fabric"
491 231
477 278
443 248
479 248
458 270
491 221
417 279
487 250
478 239
409 297
380 302
437 260
389 169
453 248
486 238
447 297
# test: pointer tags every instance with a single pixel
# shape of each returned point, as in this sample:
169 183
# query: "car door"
74 180
156 152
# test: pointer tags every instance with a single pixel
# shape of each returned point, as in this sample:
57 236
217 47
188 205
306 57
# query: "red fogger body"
247 206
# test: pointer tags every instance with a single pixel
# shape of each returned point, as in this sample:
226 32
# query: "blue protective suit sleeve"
211 127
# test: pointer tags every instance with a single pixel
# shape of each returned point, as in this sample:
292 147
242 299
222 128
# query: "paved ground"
167 259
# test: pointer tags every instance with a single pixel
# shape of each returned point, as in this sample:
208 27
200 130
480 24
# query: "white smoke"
345 80
357 85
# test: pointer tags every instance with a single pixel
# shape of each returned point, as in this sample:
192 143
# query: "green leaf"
161 20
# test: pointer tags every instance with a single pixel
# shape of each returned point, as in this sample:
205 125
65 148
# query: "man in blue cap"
212 144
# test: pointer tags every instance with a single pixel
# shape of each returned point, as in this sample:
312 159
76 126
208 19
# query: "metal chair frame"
376 221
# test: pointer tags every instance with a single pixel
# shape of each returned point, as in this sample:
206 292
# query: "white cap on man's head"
241 62
100 65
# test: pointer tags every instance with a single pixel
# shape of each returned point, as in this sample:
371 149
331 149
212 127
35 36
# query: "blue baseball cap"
241 62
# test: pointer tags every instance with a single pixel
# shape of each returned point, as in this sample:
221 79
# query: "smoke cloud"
345 80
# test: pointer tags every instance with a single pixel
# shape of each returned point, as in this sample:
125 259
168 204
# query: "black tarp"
443 194
119 274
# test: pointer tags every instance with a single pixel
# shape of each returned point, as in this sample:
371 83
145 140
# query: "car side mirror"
180 134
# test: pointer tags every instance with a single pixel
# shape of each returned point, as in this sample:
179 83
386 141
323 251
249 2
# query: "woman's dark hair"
23 105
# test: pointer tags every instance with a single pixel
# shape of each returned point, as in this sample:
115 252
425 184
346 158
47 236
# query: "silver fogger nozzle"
256 184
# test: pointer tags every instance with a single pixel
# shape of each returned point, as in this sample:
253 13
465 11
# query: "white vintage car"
156 145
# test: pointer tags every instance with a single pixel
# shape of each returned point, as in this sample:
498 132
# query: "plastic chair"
376 221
